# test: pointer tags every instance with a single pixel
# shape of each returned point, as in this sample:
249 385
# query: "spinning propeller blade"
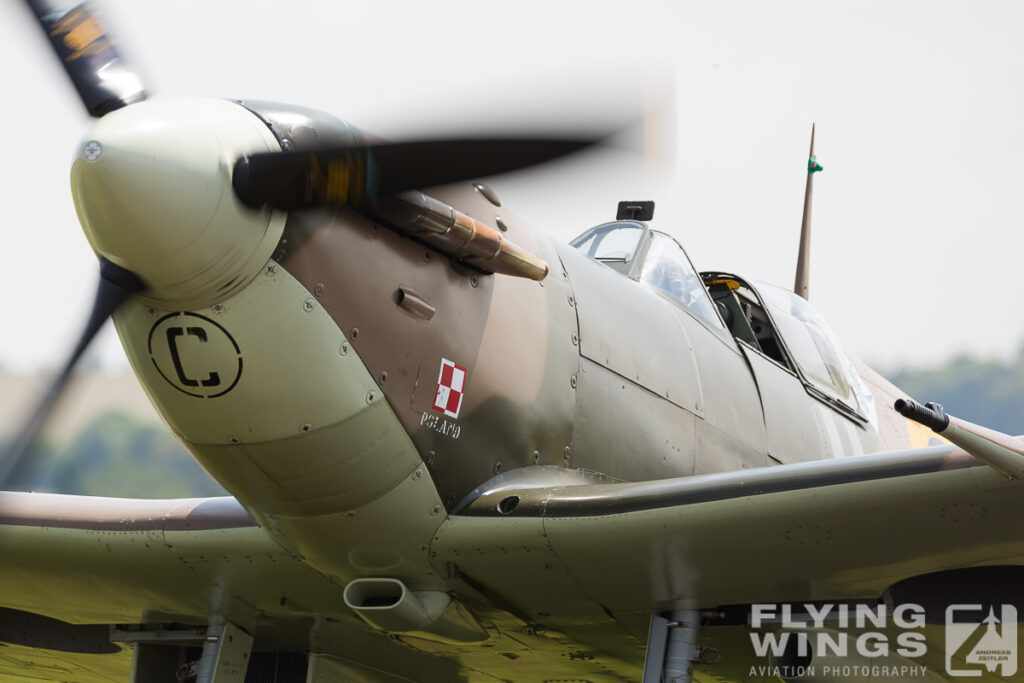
100 75
116 284
351 176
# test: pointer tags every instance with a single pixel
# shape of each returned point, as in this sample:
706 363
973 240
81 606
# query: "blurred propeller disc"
115 286
351 176
100 75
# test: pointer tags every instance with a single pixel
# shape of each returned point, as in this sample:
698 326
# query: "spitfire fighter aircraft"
459 451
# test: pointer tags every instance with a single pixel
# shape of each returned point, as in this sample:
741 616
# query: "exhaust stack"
389 605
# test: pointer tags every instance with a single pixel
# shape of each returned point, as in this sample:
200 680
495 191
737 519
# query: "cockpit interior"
746 317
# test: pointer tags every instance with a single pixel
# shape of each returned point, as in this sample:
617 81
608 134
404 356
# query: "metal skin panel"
790 419
286 344
386 537
624 431
495 556
732 434
498 553
845 437
337 468
633 331
514 337
719 451
655 348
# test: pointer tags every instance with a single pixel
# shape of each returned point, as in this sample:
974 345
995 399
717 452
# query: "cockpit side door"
815 405
793 428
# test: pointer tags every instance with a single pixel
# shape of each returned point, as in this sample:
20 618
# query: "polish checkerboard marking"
450 383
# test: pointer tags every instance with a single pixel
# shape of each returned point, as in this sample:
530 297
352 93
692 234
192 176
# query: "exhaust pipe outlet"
388 605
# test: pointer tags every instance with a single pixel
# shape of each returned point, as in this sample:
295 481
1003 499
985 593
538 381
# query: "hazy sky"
918 105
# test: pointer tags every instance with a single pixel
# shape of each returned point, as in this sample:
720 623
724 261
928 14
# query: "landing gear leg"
672 648
225 657
161 653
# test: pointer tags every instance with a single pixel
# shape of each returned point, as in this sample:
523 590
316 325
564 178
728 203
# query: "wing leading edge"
846 528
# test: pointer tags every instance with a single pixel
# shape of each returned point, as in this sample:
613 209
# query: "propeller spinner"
152 187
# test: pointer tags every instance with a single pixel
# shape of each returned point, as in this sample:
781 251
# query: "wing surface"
71 566
844 528
82 576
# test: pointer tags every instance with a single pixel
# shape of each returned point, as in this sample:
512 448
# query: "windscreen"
667 269
813 346
610 242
